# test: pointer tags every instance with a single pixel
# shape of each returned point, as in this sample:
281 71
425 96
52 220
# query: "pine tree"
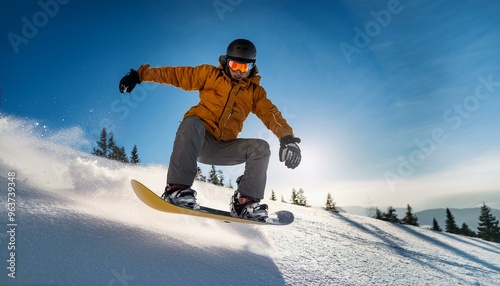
273 196
488 228
102 144
390 215
302 198
106 147
212 176
450 224
330 204
294 196
121 155
220 177
113 150
378 214
410 218
465 230
298 198
435 225
134 156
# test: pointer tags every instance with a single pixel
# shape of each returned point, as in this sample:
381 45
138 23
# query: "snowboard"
154 201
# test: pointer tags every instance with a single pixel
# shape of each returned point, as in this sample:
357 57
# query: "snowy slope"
78 223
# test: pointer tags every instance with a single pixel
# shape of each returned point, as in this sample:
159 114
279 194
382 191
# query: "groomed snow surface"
79 223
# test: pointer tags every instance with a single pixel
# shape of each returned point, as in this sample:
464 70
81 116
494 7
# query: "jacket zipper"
225 105
230 113
224 109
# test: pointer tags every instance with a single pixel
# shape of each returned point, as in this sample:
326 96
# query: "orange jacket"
224 105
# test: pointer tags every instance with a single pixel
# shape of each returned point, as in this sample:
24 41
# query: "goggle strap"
240 60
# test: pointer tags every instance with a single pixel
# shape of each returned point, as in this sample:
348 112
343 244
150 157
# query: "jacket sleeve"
270 115
187 78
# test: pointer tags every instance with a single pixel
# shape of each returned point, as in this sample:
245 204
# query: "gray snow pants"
192 144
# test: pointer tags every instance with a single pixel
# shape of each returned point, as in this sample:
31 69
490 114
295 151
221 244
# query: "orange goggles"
243 67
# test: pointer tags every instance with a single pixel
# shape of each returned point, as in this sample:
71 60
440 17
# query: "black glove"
290 151
128 82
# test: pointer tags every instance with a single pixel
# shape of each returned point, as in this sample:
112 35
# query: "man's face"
238 75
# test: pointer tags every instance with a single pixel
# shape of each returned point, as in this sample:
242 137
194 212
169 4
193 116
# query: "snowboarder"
209 130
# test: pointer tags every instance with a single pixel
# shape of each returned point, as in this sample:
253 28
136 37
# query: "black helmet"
242 50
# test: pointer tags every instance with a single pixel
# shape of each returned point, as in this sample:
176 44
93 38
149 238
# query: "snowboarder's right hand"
128 82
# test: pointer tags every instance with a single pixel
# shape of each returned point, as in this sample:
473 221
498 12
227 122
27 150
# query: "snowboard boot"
247 207
180 195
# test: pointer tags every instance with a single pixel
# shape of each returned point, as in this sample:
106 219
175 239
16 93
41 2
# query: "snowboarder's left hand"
128 82
290 151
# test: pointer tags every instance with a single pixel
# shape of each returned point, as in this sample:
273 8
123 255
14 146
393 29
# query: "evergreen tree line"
391 216
107 148
297 198
488 225
215 177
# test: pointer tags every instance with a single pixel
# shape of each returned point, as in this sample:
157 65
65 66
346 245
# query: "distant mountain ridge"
470 216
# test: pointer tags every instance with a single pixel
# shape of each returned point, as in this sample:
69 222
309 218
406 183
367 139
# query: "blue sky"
395 101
